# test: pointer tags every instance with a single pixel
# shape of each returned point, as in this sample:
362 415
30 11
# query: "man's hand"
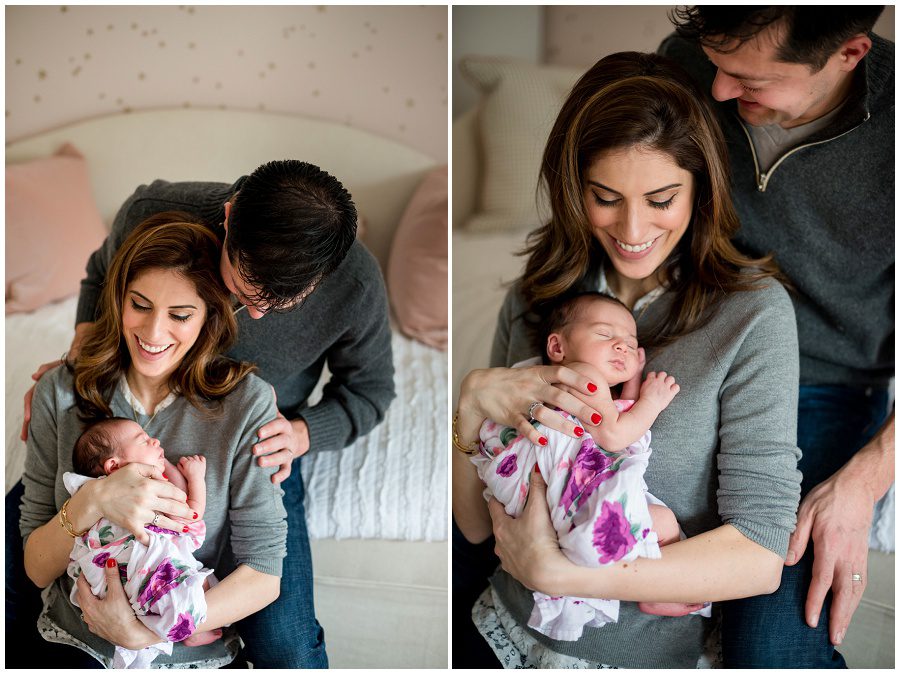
41 371
112 618
283 442
837 514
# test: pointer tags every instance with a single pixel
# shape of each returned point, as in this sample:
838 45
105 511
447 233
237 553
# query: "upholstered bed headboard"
127 150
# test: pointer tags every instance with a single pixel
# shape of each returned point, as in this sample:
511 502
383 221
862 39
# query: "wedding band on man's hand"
155 521
856 577
533 407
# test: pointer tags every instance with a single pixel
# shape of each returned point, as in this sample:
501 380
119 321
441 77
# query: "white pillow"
520 102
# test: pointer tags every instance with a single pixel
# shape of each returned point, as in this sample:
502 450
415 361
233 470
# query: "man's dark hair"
563 312
94 447
812 32
291 225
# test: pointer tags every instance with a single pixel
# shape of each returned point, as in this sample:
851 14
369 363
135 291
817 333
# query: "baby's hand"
659 389
192 466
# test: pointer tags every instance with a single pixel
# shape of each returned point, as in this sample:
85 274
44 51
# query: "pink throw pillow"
417 268
52 227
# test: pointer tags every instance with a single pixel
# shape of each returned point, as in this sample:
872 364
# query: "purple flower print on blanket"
612 533
100 560
507 467
164 578
586 475
183 628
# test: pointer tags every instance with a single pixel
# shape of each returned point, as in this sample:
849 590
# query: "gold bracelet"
469 450
66 524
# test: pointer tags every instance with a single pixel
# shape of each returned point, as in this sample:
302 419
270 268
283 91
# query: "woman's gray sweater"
724 451
245 518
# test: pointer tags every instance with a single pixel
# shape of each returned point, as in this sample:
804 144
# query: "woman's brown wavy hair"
625 100
175 242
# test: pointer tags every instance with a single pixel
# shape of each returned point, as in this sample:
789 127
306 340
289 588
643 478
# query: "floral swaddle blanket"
162 580
598 506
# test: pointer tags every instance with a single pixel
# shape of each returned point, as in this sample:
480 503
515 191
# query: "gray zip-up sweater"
724 451
343 323
826 209
245 518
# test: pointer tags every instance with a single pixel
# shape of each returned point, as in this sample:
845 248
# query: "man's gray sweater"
826 209
724 452
343 323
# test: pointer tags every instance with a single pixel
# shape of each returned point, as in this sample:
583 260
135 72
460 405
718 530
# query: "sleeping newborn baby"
599 503
162 580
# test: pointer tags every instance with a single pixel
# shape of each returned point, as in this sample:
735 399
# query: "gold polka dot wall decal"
410 103
71 59
440 36
63 9
366 24
109 26
119 101
37 98
101 95
190 10
386 89
141 76
144 33
218 85
134 26
162 43
186 104
195 80
321 8
42 74
90 31
191 45
87 56
402 127
240 52
127 109
271 66
153 32
262 75
356 54
315 93
221 106
18 62
261 106
368 47
311 65
76 71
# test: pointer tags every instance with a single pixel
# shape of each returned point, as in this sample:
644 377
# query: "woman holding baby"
154 357
636 173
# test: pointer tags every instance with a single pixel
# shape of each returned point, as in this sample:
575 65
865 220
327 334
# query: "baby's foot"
202 638
672 610
192 466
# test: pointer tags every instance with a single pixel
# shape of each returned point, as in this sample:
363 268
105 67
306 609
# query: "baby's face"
602 334
135 446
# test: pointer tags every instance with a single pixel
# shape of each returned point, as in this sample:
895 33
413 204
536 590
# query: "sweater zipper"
762 179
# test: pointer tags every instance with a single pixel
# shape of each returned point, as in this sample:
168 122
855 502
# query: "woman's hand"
505 395
112 618
527 546
132 496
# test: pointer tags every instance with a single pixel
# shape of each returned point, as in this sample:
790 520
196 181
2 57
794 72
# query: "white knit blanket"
391 484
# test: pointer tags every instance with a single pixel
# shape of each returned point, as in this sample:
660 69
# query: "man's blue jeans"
285 634
770 631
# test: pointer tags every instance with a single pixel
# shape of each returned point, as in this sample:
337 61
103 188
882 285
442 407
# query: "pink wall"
383 69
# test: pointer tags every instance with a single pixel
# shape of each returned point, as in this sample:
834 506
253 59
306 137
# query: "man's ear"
111 465
555 349
853 51
227 213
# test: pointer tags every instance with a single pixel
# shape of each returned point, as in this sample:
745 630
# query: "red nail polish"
592 387
542 440
196 515
596 418
537 469
110 563
579 431
164 476
184 531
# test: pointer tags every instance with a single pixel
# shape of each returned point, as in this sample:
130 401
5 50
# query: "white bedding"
391 484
